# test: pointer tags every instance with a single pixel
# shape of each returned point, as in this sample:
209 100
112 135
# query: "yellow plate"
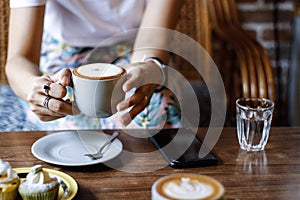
68 186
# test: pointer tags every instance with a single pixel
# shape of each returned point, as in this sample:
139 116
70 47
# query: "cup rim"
269 101
75 73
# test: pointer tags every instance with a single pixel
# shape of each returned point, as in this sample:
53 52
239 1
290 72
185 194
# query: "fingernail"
121 107
65 80
126 119
125 88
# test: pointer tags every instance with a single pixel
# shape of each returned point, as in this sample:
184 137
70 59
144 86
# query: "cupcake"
9 182
39 185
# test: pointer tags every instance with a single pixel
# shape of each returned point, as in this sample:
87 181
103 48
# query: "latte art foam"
99 71
187 186
188 189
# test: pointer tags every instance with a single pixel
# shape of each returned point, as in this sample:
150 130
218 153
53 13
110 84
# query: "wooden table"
271 174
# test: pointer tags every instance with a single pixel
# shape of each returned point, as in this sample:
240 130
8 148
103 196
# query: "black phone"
181 148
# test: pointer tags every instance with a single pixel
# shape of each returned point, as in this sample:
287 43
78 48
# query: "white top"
86 23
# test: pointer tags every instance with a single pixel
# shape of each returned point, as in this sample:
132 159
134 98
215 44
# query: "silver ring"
46 87
46 102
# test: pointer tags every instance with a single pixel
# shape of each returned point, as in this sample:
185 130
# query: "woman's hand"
46 96
146 77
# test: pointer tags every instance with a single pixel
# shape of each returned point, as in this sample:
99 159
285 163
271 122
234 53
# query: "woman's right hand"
46 96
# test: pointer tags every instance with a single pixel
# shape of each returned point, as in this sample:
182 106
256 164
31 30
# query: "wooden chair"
4 13
260 72
242 61
266 84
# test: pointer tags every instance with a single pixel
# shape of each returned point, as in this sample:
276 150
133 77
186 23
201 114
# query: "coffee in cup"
187 186
98 88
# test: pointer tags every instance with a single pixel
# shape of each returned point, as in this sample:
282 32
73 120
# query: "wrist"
162 67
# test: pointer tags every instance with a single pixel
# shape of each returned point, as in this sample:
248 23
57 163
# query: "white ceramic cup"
98 88
187 186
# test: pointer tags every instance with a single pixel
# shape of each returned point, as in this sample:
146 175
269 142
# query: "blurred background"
275 25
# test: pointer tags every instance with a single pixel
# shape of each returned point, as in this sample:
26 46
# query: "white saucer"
67 148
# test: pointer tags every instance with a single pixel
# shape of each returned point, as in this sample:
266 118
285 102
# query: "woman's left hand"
145 77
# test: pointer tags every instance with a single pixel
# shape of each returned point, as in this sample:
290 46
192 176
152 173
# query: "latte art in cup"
187 186
98 71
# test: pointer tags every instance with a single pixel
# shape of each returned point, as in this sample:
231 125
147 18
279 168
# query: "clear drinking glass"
253 119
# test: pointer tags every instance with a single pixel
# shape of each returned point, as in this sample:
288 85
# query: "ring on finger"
46 102
146 98
46 87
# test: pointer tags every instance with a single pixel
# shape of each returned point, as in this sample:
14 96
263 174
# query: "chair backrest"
193 22
4 18
242 61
